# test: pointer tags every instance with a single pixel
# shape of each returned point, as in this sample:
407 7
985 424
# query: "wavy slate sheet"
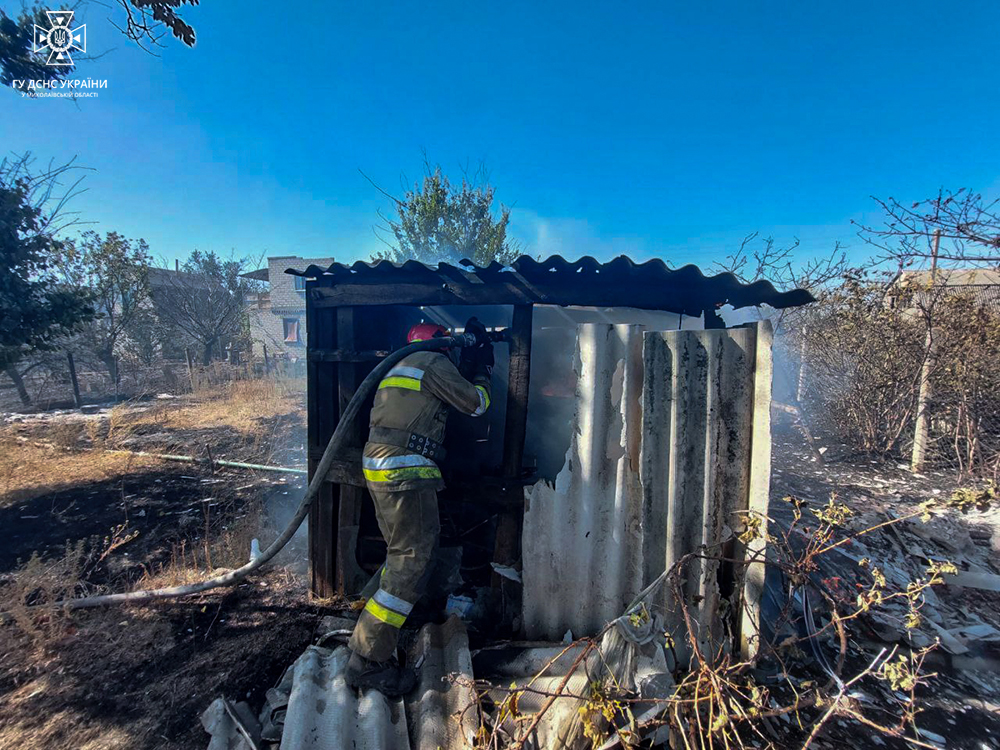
323 712
705 463
689 412
581 537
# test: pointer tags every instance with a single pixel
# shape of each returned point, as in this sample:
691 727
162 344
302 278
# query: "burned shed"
357 314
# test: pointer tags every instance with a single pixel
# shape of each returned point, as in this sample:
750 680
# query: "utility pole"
920 429
190 364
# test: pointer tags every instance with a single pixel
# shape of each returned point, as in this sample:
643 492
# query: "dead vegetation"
810 672
239 405
248 420
86 520
29 469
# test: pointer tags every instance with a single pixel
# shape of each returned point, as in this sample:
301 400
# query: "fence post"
187 355
267 364
920 427
74 381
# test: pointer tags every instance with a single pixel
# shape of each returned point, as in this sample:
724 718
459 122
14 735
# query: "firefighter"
400 464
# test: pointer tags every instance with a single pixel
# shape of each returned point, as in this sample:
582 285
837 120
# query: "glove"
478 330
484 360
477 360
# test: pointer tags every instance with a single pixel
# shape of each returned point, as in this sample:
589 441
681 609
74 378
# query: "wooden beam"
322 512
421 294
515 426
351 496
620 294
345 355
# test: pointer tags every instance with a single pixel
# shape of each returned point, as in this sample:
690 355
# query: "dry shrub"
865 347
224 543
66 434
120 423
864 359
241 404
232 546
40 581
722 701
95 432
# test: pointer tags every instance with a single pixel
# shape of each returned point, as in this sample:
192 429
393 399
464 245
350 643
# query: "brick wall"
284 302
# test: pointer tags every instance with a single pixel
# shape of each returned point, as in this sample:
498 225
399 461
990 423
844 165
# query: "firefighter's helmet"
425 332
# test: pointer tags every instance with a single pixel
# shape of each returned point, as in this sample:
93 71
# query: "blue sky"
662 129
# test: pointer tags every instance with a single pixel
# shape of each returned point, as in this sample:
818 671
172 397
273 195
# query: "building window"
300 283
291 326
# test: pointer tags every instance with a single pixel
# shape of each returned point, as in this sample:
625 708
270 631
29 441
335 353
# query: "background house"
278 314
913 288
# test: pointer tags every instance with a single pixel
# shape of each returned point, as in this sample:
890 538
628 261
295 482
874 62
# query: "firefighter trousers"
410 525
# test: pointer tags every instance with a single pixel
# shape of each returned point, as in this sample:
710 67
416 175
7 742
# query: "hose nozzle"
499 336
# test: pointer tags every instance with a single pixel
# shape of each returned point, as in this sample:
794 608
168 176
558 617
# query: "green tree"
35 309
115 272
437 221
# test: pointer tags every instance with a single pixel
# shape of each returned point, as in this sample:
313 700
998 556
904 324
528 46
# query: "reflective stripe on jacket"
414 396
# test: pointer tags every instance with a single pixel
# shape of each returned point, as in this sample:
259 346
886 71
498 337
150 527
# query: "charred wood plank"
515 426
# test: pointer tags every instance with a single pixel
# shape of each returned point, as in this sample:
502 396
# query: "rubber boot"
390 679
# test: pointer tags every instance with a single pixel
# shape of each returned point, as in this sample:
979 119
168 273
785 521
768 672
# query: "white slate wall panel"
581 539
671 448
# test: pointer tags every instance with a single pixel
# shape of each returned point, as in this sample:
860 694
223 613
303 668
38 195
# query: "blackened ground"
140 677
163 505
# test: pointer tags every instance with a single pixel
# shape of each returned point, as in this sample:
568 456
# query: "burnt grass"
151 671
139 677
159 504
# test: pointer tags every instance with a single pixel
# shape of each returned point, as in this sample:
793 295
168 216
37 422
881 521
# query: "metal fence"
49 382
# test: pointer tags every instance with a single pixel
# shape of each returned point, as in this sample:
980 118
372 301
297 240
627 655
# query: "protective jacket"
408 420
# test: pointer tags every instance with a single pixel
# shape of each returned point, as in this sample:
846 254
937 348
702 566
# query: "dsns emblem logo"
59 39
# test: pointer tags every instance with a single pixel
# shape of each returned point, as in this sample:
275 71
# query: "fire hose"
333 448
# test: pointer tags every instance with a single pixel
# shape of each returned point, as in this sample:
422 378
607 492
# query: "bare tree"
205 300
969 225
761 259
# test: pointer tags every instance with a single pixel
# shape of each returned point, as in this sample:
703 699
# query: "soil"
146 674
140 677
163 505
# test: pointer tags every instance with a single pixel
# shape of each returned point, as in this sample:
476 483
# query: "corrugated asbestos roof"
620 282
669 442
323 712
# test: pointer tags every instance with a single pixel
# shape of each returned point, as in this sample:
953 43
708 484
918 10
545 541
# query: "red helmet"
425 332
